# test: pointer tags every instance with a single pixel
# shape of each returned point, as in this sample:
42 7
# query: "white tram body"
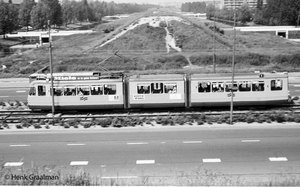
85 91
157 91
73 91
248 89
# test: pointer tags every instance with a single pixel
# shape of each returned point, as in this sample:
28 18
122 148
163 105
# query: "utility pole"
214 57
51 71
233 64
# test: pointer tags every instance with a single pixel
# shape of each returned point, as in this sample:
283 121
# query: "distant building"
238 3
17 2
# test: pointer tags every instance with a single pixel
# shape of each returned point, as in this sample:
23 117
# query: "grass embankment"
143 50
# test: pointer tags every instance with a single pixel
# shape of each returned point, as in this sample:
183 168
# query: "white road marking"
79 163
120 177
297 85
137 143
278 159
297 90
74 144
250 141
19 145
162 142
20 91
145 162
4 96
192 142
213 160
13 164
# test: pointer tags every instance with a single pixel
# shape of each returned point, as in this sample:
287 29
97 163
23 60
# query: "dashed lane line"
145 162
19 145
278 159
79 163
211 160
250 141
192 142
75 144
20 91
137 143
4 96
297 85
13 164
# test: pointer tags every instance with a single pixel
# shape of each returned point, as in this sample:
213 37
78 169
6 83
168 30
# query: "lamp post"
233 64
51 70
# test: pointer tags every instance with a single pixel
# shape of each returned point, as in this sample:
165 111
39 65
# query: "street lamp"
233 64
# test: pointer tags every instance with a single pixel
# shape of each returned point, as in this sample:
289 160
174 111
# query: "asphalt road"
17 88
251 151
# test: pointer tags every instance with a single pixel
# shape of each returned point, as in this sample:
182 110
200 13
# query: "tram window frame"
276 85
70 90
159 86
258 86
143 88
55 91
217 87
32 91
41 90
98 90
83 90
228 86
110 89
247 88
170 88
206 89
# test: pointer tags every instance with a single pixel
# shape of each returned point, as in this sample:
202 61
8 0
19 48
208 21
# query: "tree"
53 11
68 13
24 12
8 18
244 13
210 11
38 16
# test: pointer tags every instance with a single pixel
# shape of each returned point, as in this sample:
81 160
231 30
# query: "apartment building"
238 3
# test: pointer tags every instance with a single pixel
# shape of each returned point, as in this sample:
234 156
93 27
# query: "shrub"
19 126
37 126
250 119
66 126
200 122
47 126
116 122
105 122
280 117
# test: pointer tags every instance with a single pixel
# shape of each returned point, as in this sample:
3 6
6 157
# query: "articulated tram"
91 90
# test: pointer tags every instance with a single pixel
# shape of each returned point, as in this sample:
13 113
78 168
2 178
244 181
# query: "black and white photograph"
150 93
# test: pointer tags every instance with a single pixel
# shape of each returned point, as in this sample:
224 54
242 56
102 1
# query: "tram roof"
157 77
240 76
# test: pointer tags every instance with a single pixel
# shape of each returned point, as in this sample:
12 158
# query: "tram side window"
110 89
32 91
58 91
218 87
170 88
204 87
276 85
143 88
83 90
258 86
41 90
229 86
97 90
244 86
69 91
157 88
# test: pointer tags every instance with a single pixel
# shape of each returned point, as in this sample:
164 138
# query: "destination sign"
75 78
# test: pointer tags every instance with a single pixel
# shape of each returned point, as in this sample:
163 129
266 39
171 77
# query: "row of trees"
30 13
274 12
196 7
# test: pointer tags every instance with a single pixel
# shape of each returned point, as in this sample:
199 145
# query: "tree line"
274 12
36 15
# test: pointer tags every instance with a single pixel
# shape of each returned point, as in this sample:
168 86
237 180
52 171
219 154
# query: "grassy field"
143 50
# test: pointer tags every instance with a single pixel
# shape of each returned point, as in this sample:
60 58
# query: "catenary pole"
51 70
233 64
214 57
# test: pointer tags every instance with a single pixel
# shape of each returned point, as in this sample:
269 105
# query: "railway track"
17 116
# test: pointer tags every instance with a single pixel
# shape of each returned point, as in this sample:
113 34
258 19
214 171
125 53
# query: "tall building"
238 3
